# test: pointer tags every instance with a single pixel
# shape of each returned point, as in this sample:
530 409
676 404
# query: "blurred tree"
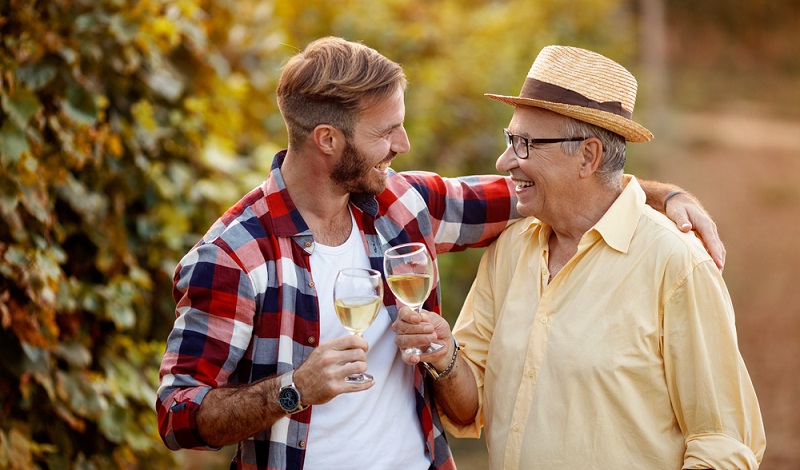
126 127
119 131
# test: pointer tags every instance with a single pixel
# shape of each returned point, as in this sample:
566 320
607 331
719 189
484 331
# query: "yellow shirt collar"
617 225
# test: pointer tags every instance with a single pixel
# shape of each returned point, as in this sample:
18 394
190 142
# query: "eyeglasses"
521 144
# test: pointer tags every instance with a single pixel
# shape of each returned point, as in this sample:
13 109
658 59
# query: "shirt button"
302 444
530 374
544 320
310 283
312 340
516 428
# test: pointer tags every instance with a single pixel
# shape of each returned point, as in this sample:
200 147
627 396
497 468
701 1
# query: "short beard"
353 170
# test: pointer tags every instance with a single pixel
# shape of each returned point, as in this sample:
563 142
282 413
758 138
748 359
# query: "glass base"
435 346
359 378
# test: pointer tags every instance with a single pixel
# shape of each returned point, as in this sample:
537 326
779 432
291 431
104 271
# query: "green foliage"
120 126
126 127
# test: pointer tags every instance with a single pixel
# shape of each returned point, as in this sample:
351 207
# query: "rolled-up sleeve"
214 325
710 389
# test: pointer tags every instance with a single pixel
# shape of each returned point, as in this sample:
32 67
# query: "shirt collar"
617 225
619 222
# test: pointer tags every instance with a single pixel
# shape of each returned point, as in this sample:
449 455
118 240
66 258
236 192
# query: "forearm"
457 394
231 414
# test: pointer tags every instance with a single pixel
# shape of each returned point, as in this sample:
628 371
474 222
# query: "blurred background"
127 127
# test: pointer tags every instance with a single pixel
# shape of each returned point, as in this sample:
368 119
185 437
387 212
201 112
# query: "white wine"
357 313
412 289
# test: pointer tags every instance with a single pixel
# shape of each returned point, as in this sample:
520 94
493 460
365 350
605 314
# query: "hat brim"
630 130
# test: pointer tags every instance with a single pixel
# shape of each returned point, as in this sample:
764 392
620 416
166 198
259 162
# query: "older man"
596 335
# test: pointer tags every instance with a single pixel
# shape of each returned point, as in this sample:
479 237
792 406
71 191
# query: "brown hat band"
539 90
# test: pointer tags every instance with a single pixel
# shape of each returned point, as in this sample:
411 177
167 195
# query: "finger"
407 315
410 341
403 328
412 359
344 343
707 230
682 221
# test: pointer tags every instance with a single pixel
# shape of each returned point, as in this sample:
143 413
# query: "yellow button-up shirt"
627 359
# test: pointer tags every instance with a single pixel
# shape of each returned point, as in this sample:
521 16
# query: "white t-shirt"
376 428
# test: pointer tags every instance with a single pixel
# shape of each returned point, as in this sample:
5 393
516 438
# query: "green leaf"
80 106
38 359
12 141
114 421
75 354
123 29
21 106
84 395
36 76
166 81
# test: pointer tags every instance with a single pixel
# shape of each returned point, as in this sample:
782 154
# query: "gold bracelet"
448 369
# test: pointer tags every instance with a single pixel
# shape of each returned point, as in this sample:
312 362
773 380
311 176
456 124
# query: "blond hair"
330 82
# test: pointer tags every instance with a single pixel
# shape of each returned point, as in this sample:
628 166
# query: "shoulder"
244 220
233 240
662 239
509 246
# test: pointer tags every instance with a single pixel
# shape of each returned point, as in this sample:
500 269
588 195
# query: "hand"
688 214
418 329
321 377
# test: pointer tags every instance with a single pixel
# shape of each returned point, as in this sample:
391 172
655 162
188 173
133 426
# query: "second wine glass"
409 273
357 298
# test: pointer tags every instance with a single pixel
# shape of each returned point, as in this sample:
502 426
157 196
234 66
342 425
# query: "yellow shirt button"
544 320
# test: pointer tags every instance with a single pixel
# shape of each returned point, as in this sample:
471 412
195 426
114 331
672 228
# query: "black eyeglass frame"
510 142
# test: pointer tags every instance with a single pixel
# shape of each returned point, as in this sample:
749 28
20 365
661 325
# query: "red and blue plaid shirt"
247 308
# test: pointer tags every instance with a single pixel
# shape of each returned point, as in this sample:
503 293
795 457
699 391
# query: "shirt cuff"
180 429
705 451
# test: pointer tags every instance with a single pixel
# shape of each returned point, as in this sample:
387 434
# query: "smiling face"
378 137
547 180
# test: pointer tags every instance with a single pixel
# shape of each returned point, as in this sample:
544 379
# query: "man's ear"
592 156
327 139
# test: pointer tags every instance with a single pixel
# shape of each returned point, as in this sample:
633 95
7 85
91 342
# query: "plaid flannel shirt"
247 308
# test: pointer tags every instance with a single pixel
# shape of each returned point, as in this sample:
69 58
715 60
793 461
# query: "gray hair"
613 159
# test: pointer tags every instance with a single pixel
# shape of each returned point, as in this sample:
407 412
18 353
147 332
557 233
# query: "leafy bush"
120 122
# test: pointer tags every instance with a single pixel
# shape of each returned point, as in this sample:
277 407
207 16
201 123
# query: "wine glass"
409 273
357 298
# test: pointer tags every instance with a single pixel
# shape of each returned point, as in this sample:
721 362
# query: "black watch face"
289 399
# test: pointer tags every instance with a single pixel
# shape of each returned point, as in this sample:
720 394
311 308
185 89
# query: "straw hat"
583 85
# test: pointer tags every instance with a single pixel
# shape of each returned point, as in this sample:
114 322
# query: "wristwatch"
289 395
